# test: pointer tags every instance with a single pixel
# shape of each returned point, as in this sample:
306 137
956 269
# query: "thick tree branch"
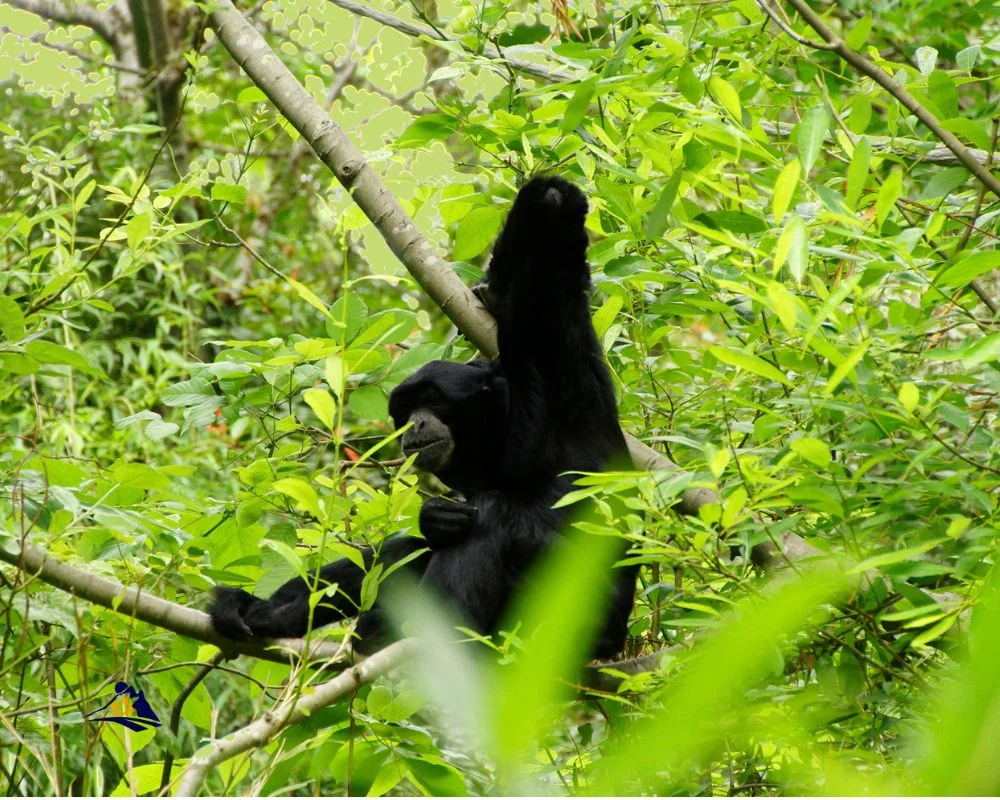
295 709
422 31
893 87
68 13
133 602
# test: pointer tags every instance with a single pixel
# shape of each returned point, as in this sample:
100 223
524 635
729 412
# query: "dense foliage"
794 288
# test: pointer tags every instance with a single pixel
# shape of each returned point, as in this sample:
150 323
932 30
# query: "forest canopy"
228 232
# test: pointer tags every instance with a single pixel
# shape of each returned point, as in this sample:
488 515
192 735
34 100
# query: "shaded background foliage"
783 267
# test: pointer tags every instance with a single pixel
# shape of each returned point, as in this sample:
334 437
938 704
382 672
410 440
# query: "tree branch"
68 13
893 87
289 712
421 31
132 601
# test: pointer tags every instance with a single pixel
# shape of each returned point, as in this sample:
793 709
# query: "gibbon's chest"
518 516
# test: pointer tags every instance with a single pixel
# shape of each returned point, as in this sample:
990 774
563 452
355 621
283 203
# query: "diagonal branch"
134 602
896 89
295 709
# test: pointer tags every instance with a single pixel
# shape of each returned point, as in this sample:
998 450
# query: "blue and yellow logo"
129 708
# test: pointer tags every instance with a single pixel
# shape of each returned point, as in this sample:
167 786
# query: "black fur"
516 426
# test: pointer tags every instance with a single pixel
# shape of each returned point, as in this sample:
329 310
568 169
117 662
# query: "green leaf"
793 247
714 684
846 367
726 96
229 193
138 229
656 222
811 132
857 172
688 84
734 221
784 188
188 393
909 396
369 402
926 60
476 232
969 57
748 362
578 105
427 128
309 296
320 401
888 194
861 114
11 319
251 95
301 492
858 34
894 557
812 450
969 267
783 303
50 353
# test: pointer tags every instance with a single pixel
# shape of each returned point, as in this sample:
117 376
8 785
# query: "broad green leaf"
783 303
812 450
656 222
428 128
309 296
858 34
748 362
369 402
726 96
861 115
895 556
51 353
888 194
926 60
334 373
909 396
229 193
11 319
969 267
137 229
793 247
688 84
784 188
188 393
811 133
476 232
302 493
734 221
320 401
579 103
857 172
